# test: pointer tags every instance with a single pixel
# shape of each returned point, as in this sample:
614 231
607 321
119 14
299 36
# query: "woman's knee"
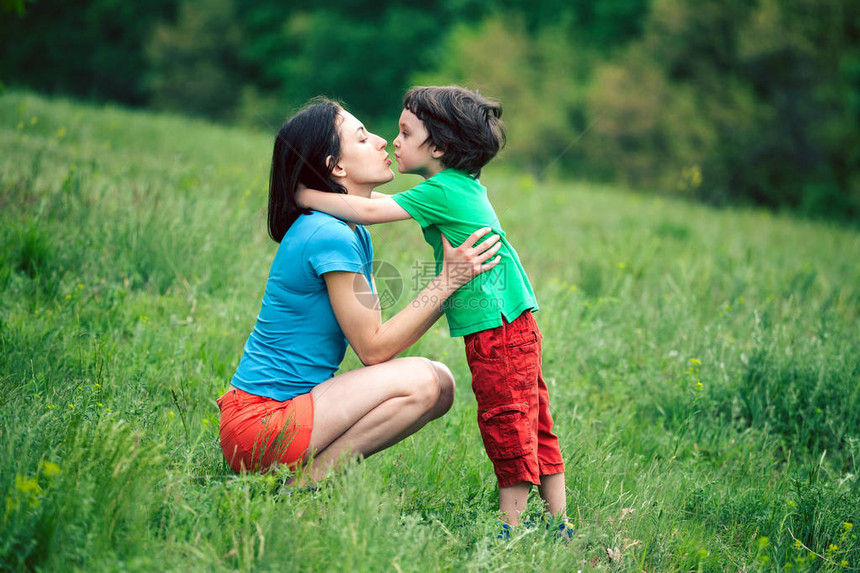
441 382
422 381
429 384
446 383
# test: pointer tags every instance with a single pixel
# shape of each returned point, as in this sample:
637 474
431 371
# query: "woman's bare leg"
369 409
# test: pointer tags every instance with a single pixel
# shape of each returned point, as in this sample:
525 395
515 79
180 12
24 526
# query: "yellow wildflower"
49 469
26 485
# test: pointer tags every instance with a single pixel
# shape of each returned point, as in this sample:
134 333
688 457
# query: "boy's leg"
505 362
512 502
552 492
552 488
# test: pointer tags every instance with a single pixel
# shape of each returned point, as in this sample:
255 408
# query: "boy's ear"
436 152
337 170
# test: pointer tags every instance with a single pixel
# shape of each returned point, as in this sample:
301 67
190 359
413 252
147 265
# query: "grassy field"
704 371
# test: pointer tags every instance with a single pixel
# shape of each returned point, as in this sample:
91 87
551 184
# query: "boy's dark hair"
300 154
463 124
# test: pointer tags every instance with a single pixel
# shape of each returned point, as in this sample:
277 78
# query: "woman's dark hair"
465 125
302 147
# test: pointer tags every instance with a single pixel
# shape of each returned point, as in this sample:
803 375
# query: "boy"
447 134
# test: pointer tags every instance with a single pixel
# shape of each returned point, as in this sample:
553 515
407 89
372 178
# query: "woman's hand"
463 263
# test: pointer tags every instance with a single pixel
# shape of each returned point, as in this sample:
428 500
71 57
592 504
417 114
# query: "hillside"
704 368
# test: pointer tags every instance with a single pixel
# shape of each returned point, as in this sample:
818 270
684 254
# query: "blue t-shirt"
297 342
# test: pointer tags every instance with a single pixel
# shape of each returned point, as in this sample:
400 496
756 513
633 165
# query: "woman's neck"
360 190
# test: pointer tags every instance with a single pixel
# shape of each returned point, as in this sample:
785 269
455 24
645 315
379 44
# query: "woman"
284 405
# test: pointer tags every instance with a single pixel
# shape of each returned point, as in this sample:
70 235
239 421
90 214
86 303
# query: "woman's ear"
337 170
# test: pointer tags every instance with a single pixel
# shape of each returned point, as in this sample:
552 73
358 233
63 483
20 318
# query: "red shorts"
257 432
513 402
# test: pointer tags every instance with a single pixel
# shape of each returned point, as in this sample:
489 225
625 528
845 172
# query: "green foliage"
363 62
195 62
722 101
17 6
702 365
91 49
736 91
501 60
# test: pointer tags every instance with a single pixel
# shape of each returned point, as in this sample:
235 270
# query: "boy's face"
412 151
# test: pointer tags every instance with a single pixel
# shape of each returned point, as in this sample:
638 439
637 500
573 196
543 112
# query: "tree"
194 62
89 49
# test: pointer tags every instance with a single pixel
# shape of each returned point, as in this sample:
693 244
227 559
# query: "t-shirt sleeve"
335 247
426 203
365 242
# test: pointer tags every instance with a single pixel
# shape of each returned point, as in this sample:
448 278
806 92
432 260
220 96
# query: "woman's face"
363 158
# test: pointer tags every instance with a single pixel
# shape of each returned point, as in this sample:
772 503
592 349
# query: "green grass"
704 371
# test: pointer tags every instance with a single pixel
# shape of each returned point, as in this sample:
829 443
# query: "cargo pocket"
505 431
523 359
485 346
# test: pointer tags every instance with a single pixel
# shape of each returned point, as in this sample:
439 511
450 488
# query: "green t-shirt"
456 204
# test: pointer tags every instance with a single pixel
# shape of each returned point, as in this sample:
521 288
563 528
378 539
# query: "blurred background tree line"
727 101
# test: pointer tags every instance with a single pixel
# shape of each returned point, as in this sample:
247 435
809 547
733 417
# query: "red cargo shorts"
513 402
257 432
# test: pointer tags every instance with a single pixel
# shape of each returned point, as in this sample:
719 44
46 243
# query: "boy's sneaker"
562 530
565 531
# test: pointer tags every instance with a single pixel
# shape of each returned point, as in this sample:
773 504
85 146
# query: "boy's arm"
351 208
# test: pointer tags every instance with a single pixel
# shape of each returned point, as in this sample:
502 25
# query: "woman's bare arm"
359 315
